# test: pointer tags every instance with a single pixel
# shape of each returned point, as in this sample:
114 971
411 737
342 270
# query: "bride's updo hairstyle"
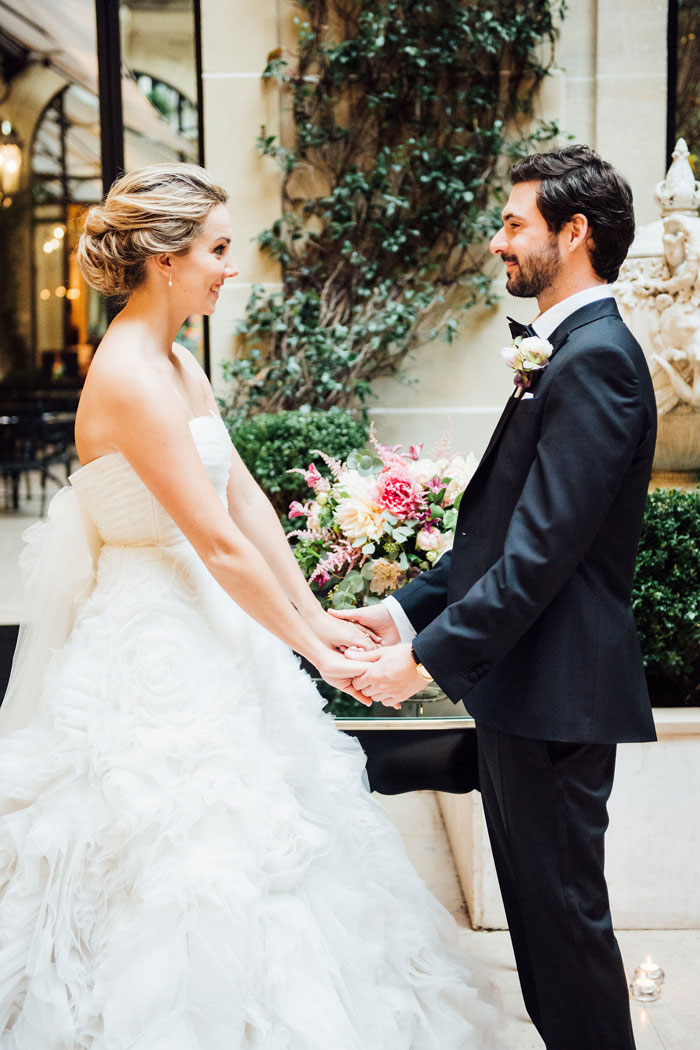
152 210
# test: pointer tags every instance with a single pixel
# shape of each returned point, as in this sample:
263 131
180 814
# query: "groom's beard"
535 274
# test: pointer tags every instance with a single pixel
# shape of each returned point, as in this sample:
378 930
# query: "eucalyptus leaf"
354 583
367 570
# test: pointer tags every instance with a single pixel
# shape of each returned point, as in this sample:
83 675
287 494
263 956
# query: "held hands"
337 636
341 634
387 675
336 669
373 618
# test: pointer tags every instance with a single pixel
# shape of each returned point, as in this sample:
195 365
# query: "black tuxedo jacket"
528 618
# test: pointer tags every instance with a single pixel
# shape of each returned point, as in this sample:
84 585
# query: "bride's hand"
339 672
344 634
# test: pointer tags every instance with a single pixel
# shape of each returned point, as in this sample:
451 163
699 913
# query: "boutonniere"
526 355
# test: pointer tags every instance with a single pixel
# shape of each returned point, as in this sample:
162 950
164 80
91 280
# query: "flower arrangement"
380 519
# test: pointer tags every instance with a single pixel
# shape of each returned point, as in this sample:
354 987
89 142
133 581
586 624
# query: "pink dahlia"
397 495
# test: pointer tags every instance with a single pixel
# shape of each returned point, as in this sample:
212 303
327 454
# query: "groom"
528 619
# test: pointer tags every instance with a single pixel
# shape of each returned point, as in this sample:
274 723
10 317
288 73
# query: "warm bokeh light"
59 232
73 293
44 294
10 165
60 291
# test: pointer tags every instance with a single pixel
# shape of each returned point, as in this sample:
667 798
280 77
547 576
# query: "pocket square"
526 396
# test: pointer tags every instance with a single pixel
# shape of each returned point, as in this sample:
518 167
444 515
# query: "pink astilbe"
305 534
334 465
444 448
342 554
312 477
390 457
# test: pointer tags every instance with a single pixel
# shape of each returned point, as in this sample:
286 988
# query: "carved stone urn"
658 292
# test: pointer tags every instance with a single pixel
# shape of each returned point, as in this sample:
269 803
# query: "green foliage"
271 445
666 596
406 115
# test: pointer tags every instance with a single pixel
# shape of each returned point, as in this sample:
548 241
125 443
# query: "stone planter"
652 846
678 444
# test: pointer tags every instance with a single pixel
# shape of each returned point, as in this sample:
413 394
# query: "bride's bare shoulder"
119 390
195 379
117 372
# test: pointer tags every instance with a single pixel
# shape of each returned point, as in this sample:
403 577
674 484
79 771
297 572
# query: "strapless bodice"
115 499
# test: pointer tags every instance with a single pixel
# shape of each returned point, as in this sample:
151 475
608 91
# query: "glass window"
50 166
69 316
159 98
684 88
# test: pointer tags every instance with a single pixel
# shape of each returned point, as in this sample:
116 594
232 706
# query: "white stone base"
652 846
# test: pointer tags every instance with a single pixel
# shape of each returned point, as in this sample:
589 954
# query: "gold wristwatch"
422 671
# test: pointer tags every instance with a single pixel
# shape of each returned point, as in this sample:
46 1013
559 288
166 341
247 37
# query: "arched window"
178 110
68 317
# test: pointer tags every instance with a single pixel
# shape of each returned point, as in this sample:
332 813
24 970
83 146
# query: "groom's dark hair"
576 180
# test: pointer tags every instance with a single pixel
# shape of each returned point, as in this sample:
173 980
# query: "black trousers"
546 811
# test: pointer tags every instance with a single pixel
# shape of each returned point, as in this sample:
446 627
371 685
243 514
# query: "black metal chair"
32 439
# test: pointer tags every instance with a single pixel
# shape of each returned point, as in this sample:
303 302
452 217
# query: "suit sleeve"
591 426
424 598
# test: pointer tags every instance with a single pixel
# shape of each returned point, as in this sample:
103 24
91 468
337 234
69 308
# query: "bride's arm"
257 519
252 512
150 429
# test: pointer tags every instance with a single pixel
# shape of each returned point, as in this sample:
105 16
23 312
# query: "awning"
64 35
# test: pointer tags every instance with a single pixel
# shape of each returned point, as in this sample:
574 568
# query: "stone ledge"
677 721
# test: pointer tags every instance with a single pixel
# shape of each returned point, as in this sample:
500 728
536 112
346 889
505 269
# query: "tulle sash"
58 566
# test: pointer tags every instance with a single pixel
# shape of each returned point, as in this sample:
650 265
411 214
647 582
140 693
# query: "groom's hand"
389 675
338 671
374 618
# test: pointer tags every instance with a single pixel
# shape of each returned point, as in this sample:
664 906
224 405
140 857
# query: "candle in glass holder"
651 970
644 990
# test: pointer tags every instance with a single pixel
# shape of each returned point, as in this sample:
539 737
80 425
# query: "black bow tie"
516 329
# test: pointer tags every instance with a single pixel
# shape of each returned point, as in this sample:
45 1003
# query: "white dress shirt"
544 325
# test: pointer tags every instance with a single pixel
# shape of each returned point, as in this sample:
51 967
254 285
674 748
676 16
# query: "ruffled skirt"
188 857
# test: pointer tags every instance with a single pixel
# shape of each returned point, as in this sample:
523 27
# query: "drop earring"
170 280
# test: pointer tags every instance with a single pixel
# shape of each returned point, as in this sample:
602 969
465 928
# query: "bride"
188 857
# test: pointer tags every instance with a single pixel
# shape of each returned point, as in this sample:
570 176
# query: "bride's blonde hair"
156 209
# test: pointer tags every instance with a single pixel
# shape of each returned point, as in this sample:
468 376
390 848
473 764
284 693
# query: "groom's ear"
579 230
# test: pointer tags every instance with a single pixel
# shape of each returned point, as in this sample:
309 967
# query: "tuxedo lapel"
505 416
587 314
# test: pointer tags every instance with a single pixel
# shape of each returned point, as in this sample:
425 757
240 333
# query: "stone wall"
608 89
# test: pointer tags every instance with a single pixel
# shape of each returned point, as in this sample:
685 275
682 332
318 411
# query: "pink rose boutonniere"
526 356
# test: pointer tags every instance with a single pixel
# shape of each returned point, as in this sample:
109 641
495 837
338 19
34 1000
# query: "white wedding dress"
188 857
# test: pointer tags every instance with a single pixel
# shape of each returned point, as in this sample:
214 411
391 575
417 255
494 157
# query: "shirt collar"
546 323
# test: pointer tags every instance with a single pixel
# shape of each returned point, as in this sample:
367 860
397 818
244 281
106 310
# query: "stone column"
236 40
